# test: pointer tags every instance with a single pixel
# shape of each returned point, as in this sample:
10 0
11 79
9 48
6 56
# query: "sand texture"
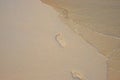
36 45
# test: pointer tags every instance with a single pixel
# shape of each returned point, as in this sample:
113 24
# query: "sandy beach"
36 45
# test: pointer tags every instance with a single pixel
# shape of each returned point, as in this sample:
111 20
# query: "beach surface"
36 45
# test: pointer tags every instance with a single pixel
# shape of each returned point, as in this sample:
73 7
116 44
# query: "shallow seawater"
99 15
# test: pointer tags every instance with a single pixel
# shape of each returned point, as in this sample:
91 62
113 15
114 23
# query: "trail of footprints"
61 41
